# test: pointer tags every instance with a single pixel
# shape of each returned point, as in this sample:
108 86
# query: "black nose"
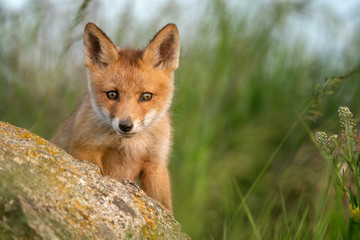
125 126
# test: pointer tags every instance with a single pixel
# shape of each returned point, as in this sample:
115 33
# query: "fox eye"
146 96
113 95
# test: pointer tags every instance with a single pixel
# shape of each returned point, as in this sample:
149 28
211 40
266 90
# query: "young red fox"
123 123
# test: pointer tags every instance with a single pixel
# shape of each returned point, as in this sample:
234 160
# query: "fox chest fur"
123 123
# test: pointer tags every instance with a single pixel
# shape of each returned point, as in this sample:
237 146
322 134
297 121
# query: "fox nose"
125 126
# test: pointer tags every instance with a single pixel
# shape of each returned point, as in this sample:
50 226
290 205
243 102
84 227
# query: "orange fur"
128 134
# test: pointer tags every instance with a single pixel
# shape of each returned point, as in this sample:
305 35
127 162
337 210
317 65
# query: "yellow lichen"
52 151
62 189
77 205
146 212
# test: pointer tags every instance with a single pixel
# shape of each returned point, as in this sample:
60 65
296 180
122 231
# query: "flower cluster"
346 160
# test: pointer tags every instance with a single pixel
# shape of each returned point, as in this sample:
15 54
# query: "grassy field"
250 94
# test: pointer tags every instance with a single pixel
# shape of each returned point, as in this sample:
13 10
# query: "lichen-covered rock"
47 194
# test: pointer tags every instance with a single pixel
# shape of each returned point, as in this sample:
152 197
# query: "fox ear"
164 49
99 50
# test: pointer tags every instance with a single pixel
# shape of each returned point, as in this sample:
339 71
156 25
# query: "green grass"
247 102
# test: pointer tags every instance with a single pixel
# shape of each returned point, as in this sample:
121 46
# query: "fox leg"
87 155
156 183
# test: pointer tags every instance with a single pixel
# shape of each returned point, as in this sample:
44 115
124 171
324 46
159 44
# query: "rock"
47 194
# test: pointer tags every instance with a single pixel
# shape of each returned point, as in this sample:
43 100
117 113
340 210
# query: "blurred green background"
255 80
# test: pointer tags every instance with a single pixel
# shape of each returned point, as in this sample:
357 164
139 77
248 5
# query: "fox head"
130 90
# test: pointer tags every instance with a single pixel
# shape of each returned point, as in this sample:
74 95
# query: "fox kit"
123 123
